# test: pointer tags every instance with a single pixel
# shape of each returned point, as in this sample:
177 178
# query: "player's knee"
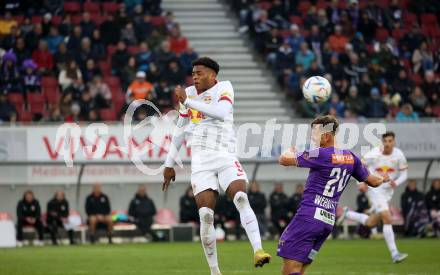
206 215
241 200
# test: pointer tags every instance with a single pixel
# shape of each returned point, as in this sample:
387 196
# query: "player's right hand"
168 175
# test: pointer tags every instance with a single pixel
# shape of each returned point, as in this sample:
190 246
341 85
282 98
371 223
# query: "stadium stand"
46 38
387 50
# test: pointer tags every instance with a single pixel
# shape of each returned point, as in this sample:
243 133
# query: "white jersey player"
206 120
389 162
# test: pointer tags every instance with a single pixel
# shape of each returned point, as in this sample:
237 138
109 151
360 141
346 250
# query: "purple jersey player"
330 171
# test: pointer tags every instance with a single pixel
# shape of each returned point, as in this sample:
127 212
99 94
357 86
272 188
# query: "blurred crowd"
74 61
382 57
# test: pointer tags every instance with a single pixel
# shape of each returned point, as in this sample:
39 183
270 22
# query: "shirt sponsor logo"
325 202
342 159
324 216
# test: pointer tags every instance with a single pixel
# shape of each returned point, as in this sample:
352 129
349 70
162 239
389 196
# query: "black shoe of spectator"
92 239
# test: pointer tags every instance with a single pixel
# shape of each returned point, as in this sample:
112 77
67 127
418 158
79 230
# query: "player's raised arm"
169 174
288 158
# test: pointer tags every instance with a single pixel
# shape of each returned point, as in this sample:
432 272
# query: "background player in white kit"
206 116
389 162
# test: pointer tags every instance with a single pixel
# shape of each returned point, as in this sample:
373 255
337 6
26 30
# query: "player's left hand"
393 184
180 93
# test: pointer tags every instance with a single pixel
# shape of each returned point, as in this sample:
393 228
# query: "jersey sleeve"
308 159
402 162
360 172
226 92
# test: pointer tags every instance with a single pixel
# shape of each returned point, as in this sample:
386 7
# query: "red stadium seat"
19 19
17 100
36 19
36 102
398 34
76 19
110 7
382 34
107 114
49 81
409 19
112 81
321 4
296 20
303 7
25 116
56 20
157 20
52 95
98 18
265 5
111 49
133 50
342 4
72 7
105 68
428 19
117 104
91 7
384 4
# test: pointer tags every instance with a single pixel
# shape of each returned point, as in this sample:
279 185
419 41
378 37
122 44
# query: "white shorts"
379 200
209 170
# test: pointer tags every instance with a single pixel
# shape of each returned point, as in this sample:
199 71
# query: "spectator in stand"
10 40
164 95
410 197
31 79
86 104
304 56
119 58
46 23
186 59
7 110
74 40
174 74
418 99
258 202
100 92
129 73
109 30
144 28
178 43
355 69
10 80
144 57
295 38
353 101
376 107
70 78
155 39
189 212
284 61
55 114
142 210
66 104
294 200
337 40
170 21
295 79
414 210
54 39
62 57
262 30
279 208
407 114
338 105
98 46
431 85
66 26
29 214
6 23
21 51
98 212
32 38
90 70
403 85
164 56
313 70
154 75
26 27
43 58
57 216
310 110
87 25
85 53
128 34
433 203
271 44
140 88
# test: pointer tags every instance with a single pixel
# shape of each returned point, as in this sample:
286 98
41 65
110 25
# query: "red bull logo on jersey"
195 115
342 159
385 169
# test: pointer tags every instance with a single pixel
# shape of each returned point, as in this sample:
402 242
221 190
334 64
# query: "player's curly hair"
327 120
389 134
207 62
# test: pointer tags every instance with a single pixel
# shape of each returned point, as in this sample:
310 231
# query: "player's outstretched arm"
373 180
288 158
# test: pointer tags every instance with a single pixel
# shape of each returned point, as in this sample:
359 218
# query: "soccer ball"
316 89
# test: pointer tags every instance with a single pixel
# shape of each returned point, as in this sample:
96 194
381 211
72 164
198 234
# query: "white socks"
388 234
248 219
207 236
357 217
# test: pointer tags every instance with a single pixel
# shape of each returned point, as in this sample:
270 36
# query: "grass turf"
336 257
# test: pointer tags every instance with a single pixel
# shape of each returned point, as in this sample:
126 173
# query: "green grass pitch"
336 257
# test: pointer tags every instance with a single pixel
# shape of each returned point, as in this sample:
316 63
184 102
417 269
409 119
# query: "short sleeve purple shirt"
330 171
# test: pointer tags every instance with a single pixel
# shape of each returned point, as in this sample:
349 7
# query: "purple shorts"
302 239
